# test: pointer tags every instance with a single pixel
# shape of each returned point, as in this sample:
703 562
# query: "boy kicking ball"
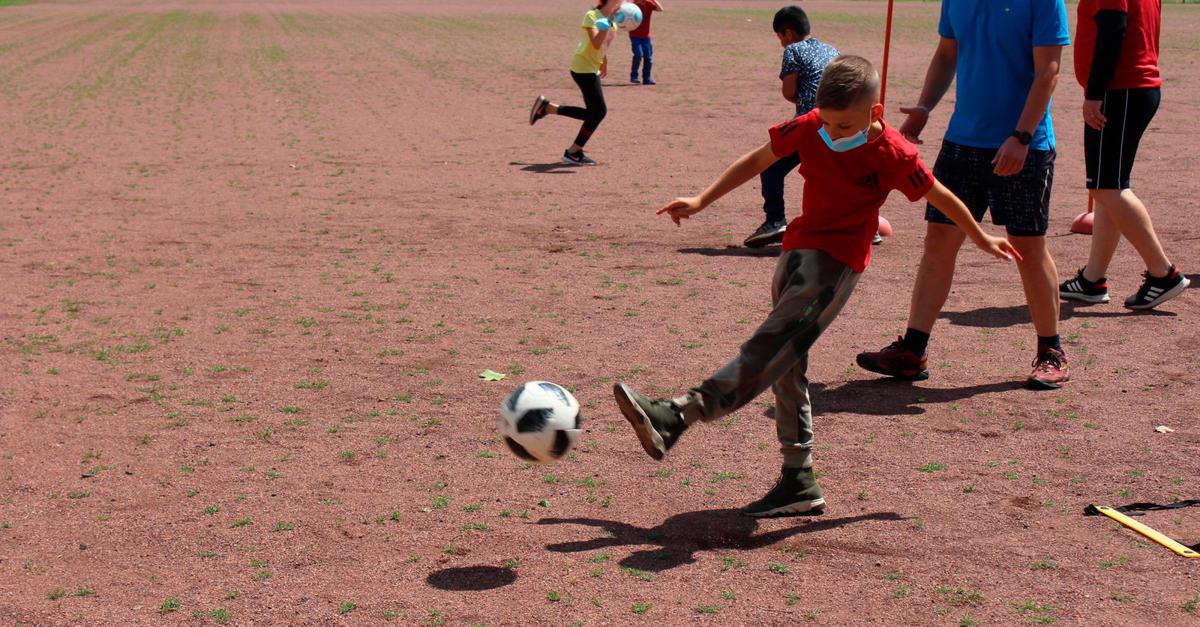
850 161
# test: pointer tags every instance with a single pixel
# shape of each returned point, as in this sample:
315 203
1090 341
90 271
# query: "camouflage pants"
809 289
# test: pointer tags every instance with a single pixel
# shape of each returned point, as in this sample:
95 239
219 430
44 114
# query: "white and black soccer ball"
540 421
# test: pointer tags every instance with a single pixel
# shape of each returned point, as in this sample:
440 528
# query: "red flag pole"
887 48
885 228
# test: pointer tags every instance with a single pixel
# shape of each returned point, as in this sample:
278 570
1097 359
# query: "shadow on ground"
890 397
733 251
471 578
677 539
1002 317
556 167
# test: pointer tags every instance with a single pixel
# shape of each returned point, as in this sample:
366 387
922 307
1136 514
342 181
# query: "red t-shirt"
647 10
1138 65
843 191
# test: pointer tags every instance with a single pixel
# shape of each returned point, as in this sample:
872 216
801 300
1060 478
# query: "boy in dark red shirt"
1116 62
642 45
850 161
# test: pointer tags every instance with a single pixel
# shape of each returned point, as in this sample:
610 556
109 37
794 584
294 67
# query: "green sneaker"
658 423
796 492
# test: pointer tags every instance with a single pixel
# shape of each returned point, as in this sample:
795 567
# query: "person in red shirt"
1117 65
850 160
643 46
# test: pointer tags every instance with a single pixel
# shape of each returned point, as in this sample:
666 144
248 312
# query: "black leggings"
593 99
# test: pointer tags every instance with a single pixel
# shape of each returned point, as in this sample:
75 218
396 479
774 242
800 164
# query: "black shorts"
1109 153
1020 203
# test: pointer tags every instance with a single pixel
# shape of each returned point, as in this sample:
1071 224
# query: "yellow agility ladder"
1119 514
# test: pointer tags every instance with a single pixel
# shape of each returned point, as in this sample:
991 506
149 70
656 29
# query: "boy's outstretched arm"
950 205
745 168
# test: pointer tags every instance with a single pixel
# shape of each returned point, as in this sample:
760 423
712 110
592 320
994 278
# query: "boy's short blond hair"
848 81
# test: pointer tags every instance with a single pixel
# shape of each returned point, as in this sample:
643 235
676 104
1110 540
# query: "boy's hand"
998 247
682 208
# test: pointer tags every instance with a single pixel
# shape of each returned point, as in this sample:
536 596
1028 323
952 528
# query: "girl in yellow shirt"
588 66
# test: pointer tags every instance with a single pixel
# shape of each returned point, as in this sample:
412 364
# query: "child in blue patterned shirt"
804 60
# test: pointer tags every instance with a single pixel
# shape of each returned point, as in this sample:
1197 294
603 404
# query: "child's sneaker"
538 111
796 492
878 239
769 233
1049 370
649 81
634 80
577 158
1084 290
1156 291
896 360
658 423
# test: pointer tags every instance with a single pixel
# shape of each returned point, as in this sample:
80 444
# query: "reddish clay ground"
256 254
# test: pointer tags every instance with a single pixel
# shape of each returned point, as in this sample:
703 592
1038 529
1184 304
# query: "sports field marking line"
1146 531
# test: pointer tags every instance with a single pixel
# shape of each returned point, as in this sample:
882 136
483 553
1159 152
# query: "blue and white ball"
628 17
540 421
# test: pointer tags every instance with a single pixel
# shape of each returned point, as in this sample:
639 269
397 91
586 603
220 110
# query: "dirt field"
256 254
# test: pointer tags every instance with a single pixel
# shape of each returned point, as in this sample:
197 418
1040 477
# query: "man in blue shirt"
998 154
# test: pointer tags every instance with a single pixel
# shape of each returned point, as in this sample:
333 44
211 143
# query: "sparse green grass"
728 562
1191 604
960 596
1036 613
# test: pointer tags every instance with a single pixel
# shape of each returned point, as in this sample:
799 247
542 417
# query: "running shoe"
538 111
577 158
896 360
1049 370
769 233
1083 290
1156 291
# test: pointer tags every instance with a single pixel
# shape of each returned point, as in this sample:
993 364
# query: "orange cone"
1083 222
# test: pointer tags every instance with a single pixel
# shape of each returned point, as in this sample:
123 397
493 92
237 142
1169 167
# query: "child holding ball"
588 66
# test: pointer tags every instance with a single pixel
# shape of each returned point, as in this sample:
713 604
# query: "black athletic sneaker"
538 111
577 158
1155 292
796 492
657 423
768 233
1084 290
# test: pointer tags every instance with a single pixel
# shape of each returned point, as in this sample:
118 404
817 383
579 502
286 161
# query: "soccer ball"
628 17
540 421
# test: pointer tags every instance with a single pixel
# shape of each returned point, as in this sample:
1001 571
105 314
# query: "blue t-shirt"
995 65
808 59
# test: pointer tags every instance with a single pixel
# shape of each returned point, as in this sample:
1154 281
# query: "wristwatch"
1023 137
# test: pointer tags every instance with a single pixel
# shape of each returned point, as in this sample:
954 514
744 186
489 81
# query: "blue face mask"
844 144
